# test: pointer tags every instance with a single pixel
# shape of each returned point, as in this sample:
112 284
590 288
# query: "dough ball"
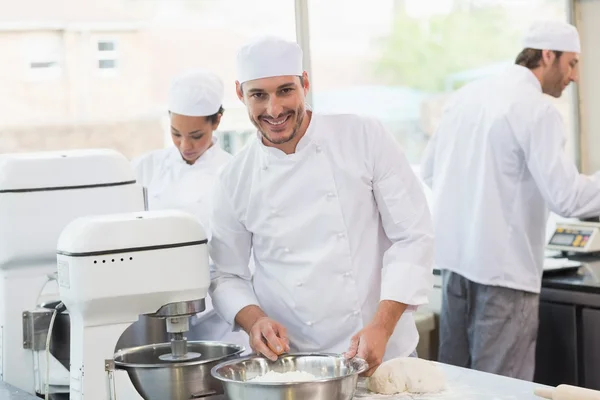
407 374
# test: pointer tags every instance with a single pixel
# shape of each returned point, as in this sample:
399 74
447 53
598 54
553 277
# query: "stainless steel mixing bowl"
336 377
155 379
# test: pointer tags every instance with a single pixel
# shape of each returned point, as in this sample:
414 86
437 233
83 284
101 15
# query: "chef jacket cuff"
411 309
230 296
408 284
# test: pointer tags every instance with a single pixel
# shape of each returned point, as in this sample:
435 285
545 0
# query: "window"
399 60
107 56
43 55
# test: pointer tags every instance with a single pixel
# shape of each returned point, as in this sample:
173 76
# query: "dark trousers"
488 328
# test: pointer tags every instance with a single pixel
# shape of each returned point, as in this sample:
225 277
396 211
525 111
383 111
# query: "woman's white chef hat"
196 93
552 35
268 56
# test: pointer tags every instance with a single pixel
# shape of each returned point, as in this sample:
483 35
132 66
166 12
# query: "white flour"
278 377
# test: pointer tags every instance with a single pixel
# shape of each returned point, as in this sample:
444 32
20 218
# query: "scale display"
577 238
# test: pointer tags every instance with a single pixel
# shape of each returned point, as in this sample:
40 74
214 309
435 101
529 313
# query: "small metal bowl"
155 379
336 377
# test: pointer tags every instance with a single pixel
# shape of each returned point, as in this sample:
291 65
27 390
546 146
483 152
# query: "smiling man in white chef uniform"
338 223
495 166
182 176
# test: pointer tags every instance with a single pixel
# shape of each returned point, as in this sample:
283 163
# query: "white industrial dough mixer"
114 268
39 194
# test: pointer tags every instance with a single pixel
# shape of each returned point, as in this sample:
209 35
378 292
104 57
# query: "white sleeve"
136 165
140 165
427 163
567 192
427 166
231 286
407 275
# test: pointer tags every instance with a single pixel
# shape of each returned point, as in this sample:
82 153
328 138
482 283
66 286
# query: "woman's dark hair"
213 118
531 58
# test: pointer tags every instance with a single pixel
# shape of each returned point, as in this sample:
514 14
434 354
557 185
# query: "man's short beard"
300 111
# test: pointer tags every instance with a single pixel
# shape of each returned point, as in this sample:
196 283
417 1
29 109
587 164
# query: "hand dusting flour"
285 377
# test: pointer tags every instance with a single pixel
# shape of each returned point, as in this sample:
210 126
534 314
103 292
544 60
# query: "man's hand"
269 338
369 344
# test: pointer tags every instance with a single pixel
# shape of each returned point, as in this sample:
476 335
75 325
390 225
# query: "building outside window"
118 58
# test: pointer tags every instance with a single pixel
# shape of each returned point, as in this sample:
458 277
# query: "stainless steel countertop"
585 279
464 384
579 287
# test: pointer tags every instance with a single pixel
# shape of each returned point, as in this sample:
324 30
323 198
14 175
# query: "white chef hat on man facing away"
196 93
552 35
268 56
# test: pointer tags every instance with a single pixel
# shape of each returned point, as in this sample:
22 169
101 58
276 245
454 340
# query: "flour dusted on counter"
279 377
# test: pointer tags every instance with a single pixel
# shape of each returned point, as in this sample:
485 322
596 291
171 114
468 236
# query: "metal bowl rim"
362 367
129 350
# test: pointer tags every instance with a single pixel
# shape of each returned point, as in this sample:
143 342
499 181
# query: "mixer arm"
180 309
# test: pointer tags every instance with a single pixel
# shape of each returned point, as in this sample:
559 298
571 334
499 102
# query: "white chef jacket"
495 165
173 183
335 227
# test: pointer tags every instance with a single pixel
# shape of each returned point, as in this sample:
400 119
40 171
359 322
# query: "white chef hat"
196 93
268 56
552 35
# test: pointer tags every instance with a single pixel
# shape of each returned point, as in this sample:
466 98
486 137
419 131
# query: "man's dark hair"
299 76
213 118
531 58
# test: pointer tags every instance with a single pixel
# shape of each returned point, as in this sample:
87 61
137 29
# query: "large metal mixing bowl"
156 379
336 377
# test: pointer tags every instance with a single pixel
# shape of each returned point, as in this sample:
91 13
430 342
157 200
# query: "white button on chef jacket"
347 175
172 183
495 165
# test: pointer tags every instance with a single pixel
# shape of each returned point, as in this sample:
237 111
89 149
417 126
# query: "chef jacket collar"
525 74
176 155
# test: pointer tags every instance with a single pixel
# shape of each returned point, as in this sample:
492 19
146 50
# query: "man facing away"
496 165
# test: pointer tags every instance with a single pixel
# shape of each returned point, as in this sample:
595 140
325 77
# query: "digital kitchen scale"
576 236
